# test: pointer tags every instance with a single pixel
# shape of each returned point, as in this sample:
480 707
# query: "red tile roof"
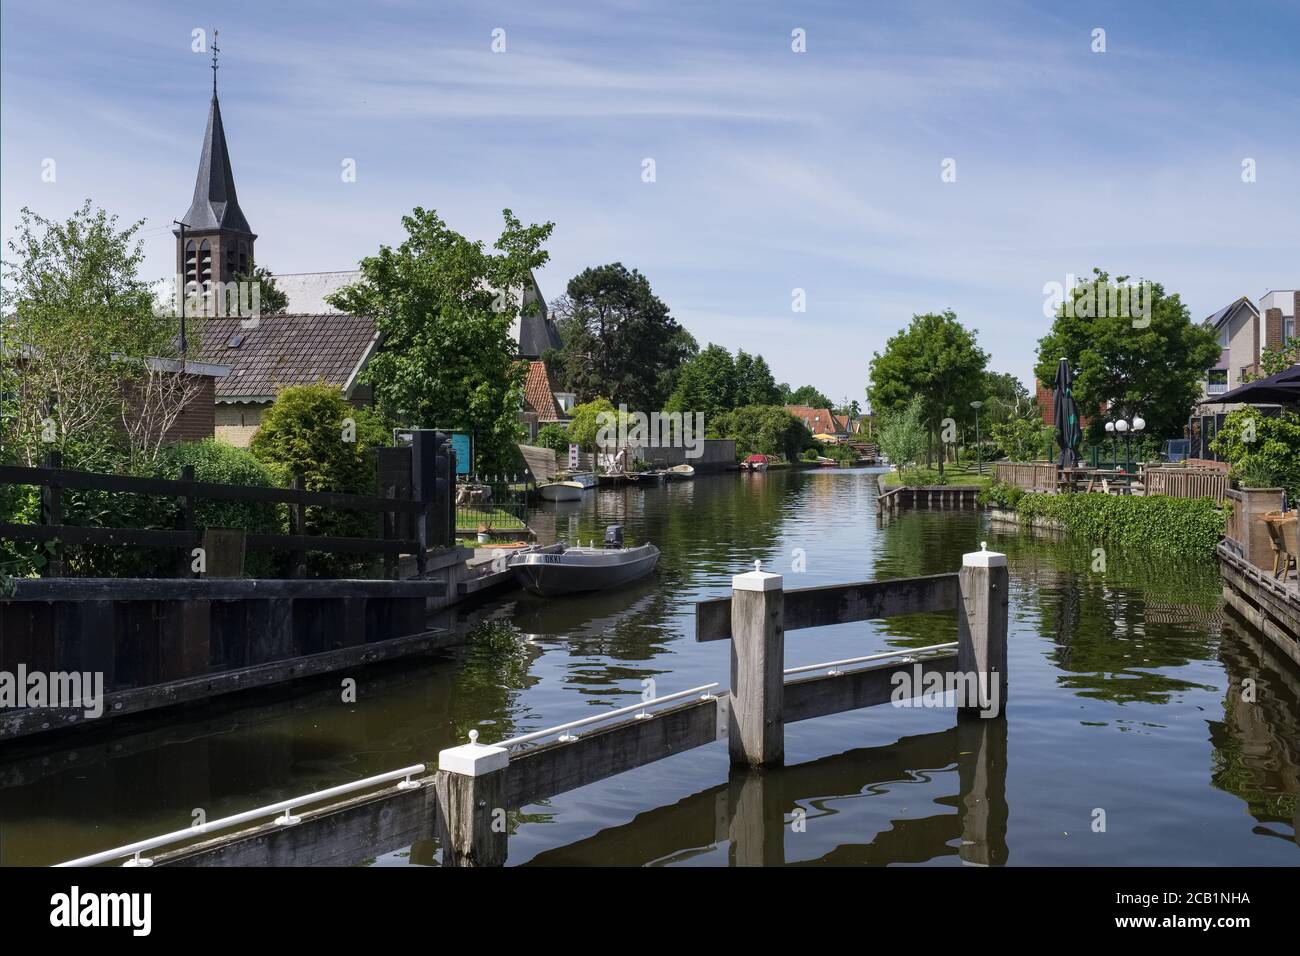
539 394
820 421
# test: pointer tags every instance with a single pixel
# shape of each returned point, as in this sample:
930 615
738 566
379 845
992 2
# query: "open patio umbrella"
1280 389
1066 413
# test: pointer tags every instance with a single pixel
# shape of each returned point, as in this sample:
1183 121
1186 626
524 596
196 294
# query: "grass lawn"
469 519
954 474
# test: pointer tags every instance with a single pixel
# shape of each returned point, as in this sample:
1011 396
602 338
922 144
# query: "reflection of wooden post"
982 632
471 787
982 801
756 830
756 729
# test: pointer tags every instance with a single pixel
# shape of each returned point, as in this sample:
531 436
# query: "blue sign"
463 444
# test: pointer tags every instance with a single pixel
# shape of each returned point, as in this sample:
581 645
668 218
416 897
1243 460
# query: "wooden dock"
906 497
466 800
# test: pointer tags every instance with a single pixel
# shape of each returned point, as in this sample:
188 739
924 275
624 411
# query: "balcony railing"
1215 388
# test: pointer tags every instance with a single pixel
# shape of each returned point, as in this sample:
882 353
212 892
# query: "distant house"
1244 331
541 407
819 421
1237 327
283 350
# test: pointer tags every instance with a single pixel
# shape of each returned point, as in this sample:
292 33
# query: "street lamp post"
979 458
1114 449
1135 428
1121 426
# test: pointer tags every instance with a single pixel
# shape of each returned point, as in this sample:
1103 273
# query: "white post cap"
984 558
473 759
756 580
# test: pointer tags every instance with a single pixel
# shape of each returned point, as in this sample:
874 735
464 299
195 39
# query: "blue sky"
774 170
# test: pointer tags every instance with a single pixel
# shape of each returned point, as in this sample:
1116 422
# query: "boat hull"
561 491
582 569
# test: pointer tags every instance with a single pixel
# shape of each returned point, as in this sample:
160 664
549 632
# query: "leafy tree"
707 383
806 395
762 430
311 430
935 358
754 382
619 339
1021 437
585 422
1279 359
444 307
271 301
555 437
1150 365
1004 387
1263 448
78 323
901 433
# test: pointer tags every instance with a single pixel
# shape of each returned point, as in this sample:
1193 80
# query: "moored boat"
567 487
579 569
679 473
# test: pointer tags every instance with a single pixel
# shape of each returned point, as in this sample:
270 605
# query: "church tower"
214 242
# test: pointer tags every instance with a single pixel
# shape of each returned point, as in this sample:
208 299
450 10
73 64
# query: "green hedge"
219 463
1162 525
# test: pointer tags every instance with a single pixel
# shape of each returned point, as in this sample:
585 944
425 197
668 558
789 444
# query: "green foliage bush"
555 437
1273 456
1173 527
219 463
999 495
306 433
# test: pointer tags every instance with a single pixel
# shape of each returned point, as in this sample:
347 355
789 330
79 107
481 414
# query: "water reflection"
753 814
1126 693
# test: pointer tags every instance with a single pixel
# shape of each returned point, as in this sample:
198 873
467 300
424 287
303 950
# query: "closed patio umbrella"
1068 430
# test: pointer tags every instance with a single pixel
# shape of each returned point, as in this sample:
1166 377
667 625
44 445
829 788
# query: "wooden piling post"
982 631
471 788
756 731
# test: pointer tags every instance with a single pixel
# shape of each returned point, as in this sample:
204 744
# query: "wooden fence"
466 800
1187 483
428 523
1029 475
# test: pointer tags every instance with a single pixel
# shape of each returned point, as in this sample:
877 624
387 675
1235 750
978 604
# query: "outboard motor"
614 536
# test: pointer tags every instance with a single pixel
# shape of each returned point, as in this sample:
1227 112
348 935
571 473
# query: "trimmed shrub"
1175 527
313 432
219 463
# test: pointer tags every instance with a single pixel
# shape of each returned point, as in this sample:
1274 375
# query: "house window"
1288 329
1216 381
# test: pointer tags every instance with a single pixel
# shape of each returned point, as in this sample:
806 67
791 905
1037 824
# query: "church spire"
215 205
214 243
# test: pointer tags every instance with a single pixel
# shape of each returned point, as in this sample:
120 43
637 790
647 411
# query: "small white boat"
568 487
574 570
561 491
679 473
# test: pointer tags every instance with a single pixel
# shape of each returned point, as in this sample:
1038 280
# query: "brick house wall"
198 418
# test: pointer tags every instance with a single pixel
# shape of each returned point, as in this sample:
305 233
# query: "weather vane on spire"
215 50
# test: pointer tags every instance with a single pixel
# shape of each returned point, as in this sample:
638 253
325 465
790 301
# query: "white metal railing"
1215 388
904 653
605 715
134 850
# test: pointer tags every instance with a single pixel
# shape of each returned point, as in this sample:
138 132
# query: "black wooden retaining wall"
163 641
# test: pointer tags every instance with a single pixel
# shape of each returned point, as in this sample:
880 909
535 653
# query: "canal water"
1127 739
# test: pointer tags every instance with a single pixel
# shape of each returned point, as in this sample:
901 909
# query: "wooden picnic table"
1110 480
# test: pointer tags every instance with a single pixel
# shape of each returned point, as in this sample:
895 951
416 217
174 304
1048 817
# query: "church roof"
285 350
215 205
537 333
